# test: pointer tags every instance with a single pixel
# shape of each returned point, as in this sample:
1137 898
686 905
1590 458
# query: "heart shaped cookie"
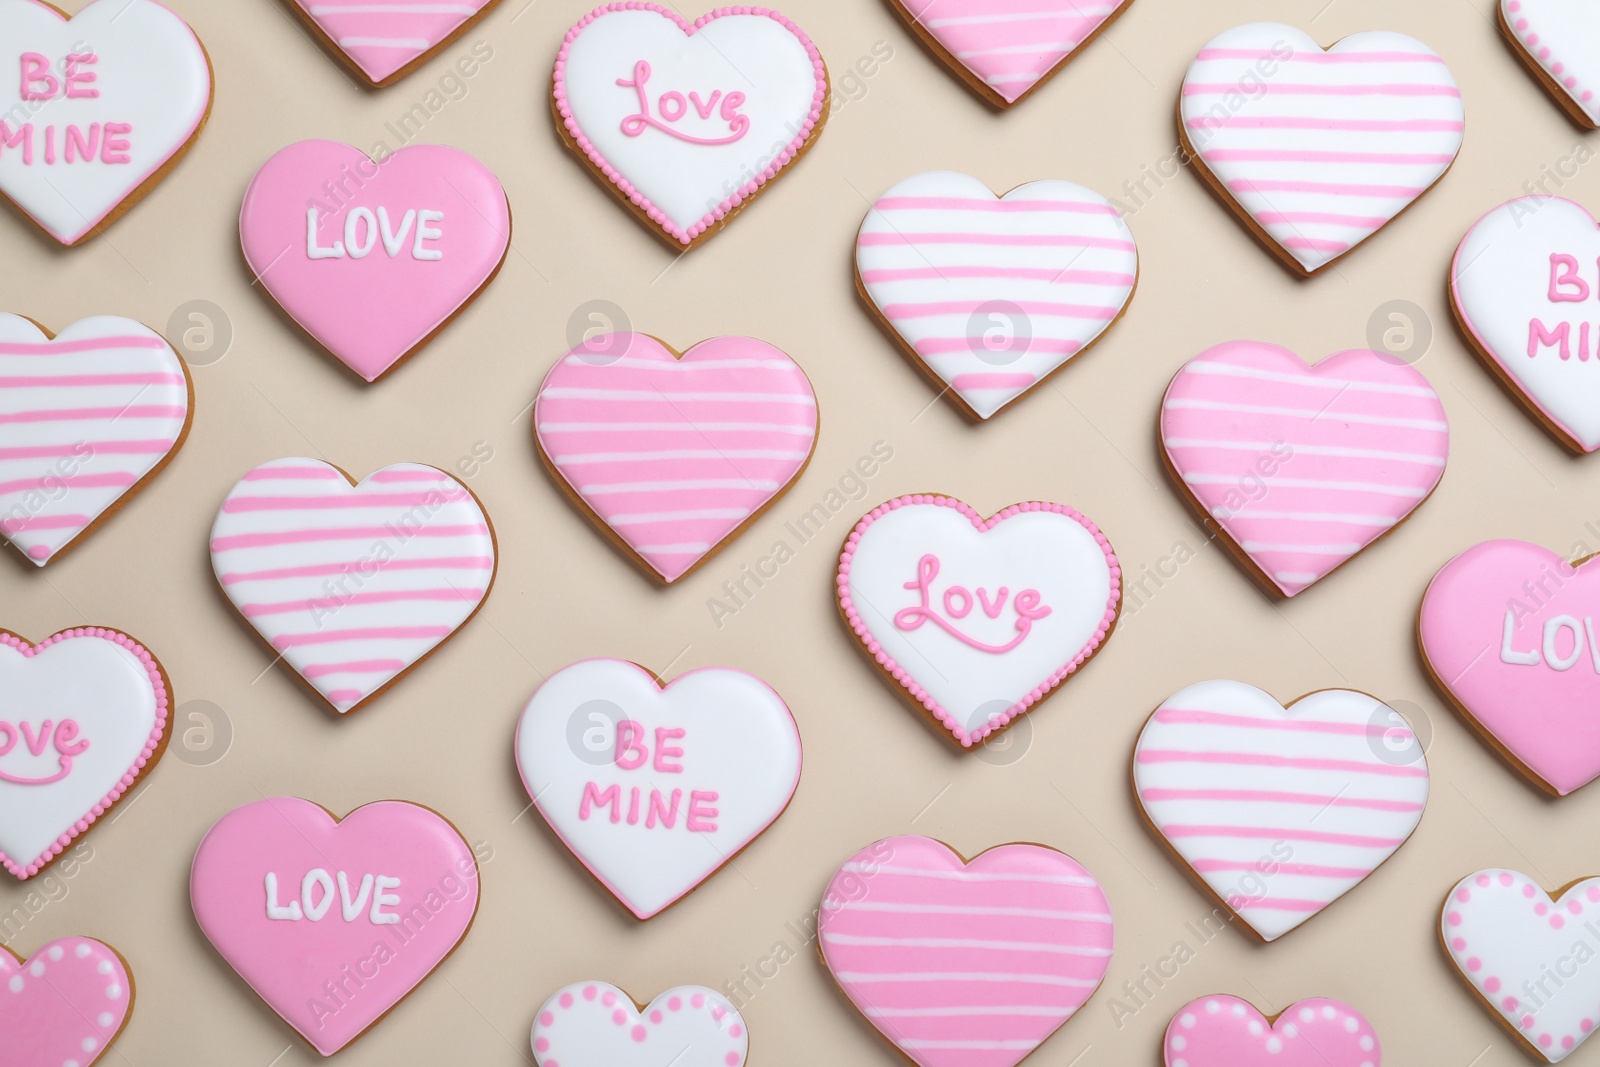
1508 632
1279 811
988 295
1224 1031
333 921
1006 53
655 787
1299 468
374 258
65 1004
385 42
105 105
1318 149
1558 39
965 964
595 1024
352 584
83 716
92 415
1509 941
1521 283
674 454
688 122
977 620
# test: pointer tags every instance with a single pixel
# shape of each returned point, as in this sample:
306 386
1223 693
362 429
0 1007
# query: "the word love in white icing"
363 230
61 736
958 601
318 893
1581 636
655 809
671 107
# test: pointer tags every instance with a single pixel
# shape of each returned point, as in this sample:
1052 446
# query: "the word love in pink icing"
595 1024
62 737
65 1004
958 601
672 106
1224 1031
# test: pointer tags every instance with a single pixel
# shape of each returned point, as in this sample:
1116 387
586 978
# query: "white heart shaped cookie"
655 787
1559 40
595 1024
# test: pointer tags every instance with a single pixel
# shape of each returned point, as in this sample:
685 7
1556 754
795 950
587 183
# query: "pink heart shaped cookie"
1559 40
333 921
385 42
353 584
1508 632
674 454
595 1024
965 964
1299 468
83 716
1224 1031
65 1004
374 257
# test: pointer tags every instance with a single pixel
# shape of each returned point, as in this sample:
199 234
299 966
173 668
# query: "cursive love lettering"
671 107
62 737
958 602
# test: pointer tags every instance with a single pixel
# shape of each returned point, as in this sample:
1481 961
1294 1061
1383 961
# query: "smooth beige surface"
781 272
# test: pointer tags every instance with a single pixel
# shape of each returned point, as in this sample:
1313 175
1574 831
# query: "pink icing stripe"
1255 759
1320 57
71 481
1052 240
962 203
88 344
1267 796
385 477
1303 89
341 533
286 474
1283 904
337 601
1028 307
1285 155
992 381
344 696
318 570
40 381
1036 274
1253 185
1175 830
1331 218
365 633
356 666
43 522
338 503
102 448
146 411
1297 122
1305 870
1218 718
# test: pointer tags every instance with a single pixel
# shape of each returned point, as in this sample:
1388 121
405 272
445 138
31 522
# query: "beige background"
782 272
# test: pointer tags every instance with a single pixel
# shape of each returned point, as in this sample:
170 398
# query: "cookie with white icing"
1558 41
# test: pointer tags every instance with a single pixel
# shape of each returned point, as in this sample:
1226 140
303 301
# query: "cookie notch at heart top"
385 42
595 1024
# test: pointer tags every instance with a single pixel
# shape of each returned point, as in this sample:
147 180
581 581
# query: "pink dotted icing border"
639 1032
1541 52
616 178
901 675
157 684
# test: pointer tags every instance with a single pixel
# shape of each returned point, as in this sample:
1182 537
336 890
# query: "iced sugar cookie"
92 414
1318 149
1301 467
1521 286
1557 40
655 786
1224 1031
95 109
977 620
65 1004
385 42
352 583
1508 633
374 257
595 1024
1278 811
1514 946
963 963
990 295
1005 54
83 716
688 122
674 454
333 921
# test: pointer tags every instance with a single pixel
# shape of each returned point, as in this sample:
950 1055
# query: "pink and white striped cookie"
991 295
352 584
1279 811
965 964
595 1024
1224 1031
674 454
1299 468
1006 50
88 417
1559 41
383 42
1319 149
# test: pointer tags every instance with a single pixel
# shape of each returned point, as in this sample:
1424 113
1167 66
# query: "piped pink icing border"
901 675
612 175
157 684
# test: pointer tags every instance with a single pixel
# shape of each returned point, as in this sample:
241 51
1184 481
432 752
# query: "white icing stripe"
670 516
956 942
1310 381
864 977
1383 521
1305 483
967 875
1310 450
599 359
1307 413
1047 1011
577 459
417 43
602 488
696 427
1316 550
957 909
569 393
392 9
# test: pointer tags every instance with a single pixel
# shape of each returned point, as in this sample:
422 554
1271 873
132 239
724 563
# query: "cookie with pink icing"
83 718
65 1004
1510 633
991 295
352 584
93 415
687 122
333 921
1317 149
1524 955
384 42
595 1024
962 963
1298 468
1277 811
674 454
1004 54
97 108
1557 41
1224 1031
373 257
655 786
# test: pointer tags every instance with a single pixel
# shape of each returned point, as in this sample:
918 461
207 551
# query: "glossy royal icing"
1560 37
1224 1031
63 1005
386 41
595 1024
